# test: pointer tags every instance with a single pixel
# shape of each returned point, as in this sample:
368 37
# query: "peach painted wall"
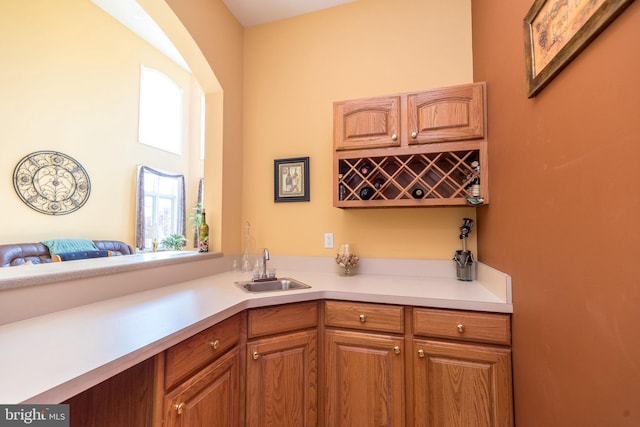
294 69
219 37
563 219
69 82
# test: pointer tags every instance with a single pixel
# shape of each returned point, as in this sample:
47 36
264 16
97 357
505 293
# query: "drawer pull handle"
396 349
421 353
255 355
215 344
180 408
362 318
414 134
394 137
460 328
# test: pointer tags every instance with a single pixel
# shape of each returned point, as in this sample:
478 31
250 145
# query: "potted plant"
196 217
174 242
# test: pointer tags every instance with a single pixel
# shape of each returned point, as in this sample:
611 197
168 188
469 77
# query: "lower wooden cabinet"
211 397
282 386
327 363
282 366
200 380
364 379
461 385
462 373
125 399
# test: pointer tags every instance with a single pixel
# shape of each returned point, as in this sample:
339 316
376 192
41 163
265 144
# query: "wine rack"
437 155
440 178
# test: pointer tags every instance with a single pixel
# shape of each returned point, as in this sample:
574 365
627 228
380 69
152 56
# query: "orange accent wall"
563 218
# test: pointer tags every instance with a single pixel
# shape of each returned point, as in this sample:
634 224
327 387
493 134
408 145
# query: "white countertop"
49 358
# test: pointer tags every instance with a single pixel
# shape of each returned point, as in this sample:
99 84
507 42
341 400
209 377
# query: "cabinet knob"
394 137
396 349
215 344
255 355
414 134
180 408
460 328
421 353
362 318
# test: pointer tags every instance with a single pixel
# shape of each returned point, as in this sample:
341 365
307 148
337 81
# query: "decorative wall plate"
51 182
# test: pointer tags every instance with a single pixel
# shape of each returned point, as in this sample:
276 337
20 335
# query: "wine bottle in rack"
342 190
365 168
417 193
366 193
377 183
474 182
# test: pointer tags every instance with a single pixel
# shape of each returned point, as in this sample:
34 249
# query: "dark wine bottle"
342 190
365 169
366 193
203 234
377 183
417 193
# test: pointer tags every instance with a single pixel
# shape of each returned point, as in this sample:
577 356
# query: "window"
161 206
161 111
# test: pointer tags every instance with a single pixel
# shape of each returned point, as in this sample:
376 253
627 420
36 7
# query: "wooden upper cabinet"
422 148
367 123
454 113
447 114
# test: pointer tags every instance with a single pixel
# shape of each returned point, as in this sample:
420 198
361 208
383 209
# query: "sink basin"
284 284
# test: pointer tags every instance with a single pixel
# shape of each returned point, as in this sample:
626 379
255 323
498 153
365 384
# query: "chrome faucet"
265 258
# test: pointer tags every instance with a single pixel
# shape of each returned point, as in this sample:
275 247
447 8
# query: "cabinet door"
282 381
364 379
461 385
209 398
367 123
446 114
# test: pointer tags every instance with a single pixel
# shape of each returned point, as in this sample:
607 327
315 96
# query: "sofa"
38 253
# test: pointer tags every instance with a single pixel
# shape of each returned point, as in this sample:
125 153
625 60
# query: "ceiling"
254 12
247 12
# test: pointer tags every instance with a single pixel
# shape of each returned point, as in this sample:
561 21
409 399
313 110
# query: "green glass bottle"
203 234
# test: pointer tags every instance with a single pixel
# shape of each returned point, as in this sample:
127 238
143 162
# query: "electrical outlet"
328 240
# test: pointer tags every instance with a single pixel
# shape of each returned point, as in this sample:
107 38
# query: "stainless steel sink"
271 285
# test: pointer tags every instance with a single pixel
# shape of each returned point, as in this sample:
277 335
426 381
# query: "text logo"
34 415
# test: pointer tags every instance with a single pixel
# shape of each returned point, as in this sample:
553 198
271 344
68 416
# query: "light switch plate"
328 240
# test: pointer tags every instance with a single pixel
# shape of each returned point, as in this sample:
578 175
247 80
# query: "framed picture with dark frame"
556 31
291 180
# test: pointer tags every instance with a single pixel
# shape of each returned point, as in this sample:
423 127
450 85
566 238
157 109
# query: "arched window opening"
161 111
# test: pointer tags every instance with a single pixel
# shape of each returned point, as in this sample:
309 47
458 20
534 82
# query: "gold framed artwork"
556 31
291 180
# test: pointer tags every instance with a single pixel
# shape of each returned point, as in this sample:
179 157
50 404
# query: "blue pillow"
63 246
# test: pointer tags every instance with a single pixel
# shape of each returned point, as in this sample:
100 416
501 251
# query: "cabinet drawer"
186 357
282 318
462 325
364 316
